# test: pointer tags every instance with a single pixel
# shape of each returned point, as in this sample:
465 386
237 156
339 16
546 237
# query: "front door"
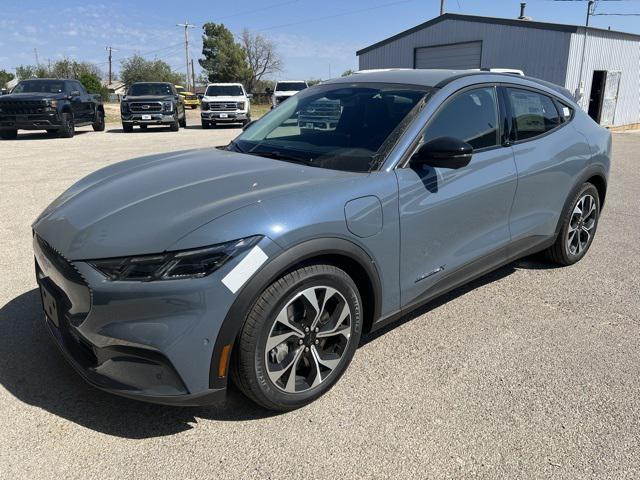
454 223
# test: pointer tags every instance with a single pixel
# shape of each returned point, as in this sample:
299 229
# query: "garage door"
459 56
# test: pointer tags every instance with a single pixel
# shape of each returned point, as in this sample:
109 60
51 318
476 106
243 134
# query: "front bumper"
150 341
148 118
219 117
36 121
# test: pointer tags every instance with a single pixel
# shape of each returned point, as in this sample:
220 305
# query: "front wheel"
579 223
127 128
98 125
68 129
299 338
8 134
183 122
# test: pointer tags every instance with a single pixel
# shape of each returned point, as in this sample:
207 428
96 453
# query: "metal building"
608 87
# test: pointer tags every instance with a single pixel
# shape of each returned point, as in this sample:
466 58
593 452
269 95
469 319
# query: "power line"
342 14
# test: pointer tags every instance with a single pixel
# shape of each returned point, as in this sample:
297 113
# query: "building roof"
514 22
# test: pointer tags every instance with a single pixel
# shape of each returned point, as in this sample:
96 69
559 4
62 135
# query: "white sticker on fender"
245 269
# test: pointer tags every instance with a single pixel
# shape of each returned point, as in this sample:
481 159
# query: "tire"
206 125
8 134
193 107
183 122
175 126
68 129
577 230
319 362
98 125
127 128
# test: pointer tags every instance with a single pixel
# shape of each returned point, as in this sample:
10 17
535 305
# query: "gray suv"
163 276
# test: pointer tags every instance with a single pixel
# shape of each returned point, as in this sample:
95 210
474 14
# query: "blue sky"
316 38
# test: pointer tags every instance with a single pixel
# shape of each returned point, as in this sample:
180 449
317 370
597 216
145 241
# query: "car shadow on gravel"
38 135
33 370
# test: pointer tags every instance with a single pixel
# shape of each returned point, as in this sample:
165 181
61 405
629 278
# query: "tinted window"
224 91
533 113
471 116
158 89
79 87
39 86
334 126
290 86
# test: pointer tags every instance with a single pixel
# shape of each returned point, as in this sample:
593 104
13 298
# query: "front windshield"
39 86
334 126
155 89
180 90
290 86
224 91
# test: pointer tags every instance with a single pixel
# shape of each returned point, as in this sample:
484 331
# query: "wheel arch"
594 175
333 251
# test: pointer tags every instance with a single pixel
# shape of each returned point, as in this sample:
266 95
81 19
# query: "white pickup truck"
286 89
225 103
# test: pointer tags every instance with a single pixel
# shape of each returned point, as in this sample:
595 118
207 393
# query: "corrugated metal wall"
539 53
610 52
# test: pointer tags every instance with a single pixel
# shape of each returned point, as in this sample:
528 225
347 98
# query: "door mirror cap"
443 152
249 96
74 93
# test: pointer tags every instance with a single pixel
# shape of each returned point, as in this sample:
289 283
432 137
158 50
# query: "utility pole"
193 78
186 26
441 7
35 51
580 89
110 50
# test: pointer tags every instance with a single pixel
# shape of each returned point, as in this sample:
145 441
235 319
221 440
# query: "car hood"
285 93
149 98
146 204
238 98
32 96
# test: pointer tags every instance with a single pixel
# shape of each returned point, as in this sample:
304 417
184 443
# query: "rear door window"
533 113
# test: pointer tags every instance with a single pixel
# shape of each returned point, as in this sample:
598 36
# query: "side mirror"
443 152
244 127
74 93
249 96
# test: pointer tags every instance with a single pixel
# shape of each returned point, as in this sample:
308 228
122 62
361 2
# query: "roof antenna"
522 16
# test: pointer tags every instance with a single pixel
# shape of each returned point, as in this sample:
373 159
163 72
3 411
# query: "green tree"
5 77
93 85
223 58
346 73
137 69
31 71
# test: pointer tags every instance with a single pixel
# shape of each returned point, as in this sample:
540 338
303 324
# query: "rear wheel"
579 223
8 134
98 125
67 129
299 338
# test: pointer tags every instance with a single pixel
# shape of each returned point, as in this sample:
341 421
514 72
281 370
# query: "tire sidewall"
590 189
348 289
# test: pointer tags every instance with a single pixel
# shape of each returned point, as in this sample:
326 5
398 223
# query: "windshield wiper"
236 146
282 156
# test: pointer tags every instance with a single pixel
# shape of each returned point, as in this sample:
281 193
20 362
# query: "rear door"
610 100
454 223
549 155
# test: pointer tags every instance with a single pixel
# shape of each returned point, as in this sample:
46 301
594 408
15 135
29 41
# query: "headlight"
168 106
240 105
173 265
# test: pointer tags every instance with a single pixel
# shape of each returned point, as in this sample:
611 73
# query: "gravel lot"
530 372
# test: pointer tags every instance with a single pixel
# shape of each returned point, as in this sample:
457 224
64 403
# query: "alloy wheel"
581 225
308 339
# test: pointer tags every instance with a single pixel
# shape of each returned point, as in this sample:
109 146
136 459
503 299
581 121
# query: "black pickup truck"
54 105
152 103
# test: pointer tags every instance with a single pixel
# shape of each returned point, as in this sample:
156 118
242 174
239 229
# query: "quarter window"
471 116
533 113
